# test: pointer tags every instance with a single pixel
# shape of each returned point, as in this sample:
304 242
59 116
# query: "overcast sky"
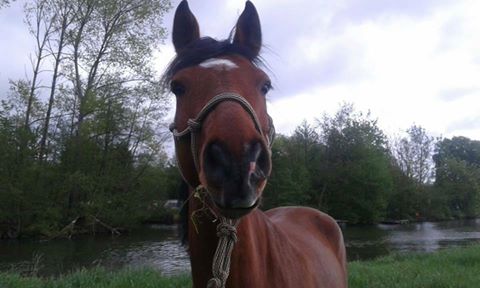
408 61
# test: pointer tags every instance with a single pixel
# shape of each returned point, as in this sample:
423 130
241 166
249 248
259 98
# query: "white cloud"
16 46
399 67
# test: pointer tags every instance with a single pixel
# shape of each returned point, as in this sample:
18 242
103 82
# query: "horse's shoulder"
317 223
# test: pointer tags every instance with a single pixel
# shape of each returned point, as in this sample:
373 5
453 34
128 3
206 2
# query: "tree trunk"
58 59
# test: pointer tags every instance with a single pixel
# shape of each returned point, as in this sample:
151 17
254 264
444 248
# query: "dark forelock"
203 49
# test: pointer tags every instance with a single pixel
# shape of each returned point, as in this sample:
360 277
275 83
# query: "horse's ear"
185 27
248 33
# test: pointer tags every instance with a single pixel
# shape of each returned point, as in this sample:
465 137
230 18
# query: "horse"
223 136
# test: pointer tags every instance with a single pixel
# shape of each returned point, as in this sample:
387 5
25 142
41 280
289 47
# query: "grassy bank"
455 268
98 278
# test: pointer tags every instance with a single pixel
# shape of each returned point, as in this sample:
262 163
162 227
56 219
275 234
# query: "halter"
194 125
226 229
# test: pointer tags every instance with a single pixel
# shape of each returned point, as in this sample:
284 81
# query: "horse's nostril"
258 165
217 155
261 157
217 163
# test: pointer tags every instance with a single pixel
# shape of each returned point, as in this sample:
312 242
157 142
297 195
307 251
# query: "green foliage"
404 201
289 179
347 168
356 165
344 172
95 149
457 163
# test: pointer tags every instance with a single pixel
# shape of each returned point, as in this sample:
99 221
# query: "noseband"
194 125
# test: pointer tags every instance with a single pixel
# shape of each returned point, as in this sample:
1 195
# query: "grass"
455 268
98 277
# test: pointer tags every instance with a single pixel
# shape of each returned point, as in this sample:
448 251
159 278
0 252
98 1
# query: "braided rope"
227 237
227 234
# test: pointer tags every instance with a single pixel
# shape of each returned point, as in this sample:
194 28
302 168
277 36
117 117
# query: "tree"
104 51
412 170
17 163
461 148
406 198
40 24
355 170
101 49
289 182
306 138
5 3
61 17
457 164
413 154
84 144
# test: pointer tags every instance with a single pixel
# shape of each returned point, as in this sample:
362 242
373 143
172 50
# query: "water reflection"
167 256
155 246
366 242
159 247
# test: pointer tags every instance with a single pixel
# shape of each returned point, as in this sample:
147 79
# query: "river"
158 246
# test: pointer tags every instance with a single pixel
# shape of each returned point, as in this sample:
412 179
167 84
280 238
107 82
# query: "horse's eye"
267 86
177 88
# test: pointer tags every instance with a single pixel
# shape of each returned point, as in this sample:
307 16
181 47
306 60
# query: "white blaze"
218 64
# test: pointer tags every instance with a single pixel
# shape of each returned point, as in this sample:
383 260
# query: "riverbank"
98 278
455 267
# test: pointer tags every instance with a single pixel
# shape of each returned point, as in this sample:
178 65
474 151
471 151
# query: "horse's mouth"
235 213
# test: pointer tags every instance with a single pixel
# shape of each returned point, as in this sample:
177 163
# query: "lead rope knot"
227 230
227 234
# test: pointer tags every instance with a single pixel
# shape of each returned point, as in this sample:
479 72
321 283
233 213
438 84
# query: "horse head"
221 127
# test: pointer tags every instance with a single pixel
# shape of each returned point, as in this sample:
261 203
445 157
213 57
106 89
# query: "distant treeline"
346 166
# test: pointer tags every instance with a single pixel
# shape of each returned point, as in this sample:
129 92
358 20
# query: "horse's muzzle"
236 185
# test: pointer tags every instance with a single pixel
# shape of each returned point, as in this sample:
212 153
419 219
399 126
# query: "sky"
407 62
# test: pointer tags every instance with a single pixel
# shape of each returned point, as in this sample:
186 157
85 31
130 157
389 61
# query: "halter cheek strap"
195 125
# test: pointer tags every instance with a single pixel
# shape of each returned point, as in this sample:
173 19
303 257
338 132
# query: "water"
158 247
368 242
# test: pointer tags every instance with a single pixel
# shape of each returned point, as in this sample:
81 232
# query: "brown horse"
222 140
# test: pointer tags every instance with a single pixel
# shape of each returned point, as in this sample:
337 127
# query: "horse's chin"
236 213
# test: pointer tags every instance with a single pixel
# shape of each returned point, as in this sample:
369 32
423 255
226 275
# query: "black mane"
203 49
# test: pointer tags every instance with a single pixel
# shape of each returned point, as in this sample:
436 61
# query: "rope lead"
227 234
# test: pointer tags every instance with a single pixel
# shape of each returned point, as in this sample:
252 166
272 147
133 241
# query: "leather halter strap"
194 125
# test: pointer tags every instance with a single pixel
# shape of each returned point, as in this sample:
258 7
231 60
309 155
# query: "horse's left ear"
248 33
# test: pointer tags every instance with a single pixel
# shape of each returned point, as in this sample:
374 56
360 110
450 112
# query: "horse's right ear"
185 27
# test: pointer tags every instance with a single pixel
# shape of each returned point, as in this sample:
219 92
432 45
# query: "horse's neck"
252 253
